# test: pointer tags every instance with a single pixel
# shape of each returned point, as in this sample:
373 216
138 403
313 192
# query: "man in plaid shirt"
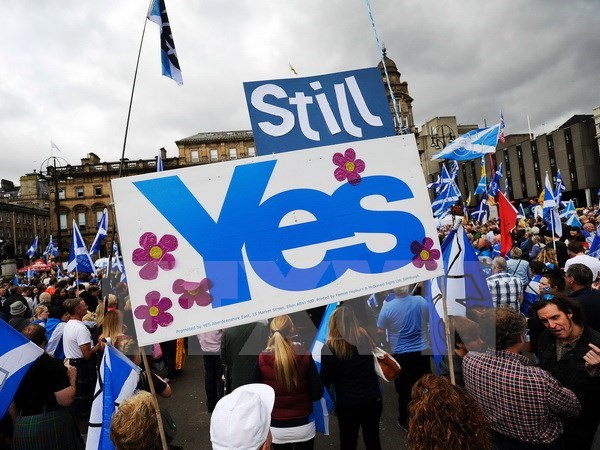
506 289
523 404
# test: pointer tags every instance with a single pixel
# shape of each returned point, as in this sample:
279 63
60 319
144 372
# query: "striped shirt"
506 289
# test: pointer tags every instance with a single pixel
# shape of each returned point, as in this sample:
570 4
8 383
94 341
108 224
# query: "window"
97 191
18 218
131 165
1 217
81 219
61 194
1 232
98 216
63 221
214 156
232 153
251 151
115 166
8 233
18 233
151 163
195 156
79 192
99 167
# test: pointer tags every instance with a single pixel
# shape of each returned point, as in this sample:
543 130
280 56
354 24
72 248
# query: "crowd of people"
526 370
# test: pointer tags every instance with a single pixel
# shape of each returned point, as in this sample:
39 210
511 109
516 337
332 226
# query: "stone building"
401 94
18 227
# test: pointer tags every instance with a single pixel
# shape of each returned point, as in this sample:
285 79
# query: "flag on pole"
32 250
573 221
117 381
79 258
53 147
17 354
323 407
595 245
51 250
159 163
471 145
101 233
59 274
550 207
16 280
559 187
480 189
501 137
494 187
435 185
116 263
168 54
508 220
465 286
482 212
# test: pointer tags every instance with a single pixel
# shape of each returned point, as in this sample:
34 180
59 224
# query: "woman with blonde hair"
40 315
291 372
347 364
134 425
112 327
547 255
443 416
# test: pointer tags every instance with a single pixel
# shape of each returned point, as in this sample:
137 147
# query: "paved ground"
187 405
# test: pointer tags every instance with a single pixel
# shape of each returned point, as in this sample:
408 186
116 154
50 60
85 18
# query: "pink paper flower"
193 292
425 255
153 255
349 167
154 313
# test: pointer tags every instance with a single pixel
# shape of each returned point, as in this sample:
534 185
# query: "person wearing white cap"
241 420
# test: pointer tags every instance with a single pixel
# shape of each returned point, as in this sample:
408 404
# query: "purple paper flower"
154 313
153 255
425 255
193 292
349 167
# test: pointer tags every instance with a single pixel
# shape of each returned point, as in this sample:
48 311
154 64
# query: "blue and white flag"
573 221
17 353
117 381
465 287
520 212
159 163
59 274
559 187
482 212
494 187
501 137
32 250
79 258
568 210
168 54
51 250
101 234
116 263
471 145
551 216
445 200
595 245
16 280
436 184
323 407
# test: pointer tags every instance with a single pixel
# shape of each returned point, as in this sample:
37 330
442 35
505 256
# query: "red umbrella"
37 266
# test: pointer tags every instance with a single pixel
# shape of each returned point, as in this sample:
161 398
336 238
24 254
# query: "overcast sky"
66 66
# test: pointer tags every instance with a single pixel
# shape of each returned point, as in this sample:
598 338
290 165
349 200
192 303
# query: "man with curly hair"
523 404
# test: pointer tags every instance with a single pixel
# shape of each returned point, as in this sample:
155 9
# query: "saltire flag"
159 163
443 202
79 258
59 274
595 245
17 354
453 169
482 212
501 137
116 263
521 212
436 184
51 250
101 233
323 407
168 54
16 280
573 221
551 216
480 189
559 187
117 381
494 187
471 145
32 250
568 210
465 287
508 221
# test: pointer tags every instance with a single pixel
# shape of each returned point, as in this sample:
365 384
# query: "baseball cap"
241 420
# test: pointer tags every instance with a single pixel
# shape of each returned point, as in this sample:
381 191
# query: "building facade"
19 225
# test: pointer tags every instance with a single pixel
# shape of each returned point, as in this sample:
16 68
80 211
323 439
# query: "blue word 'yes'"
246 222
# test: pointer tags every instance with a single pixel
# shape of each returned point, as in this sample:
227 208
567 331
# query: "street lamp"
53 168
441 136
